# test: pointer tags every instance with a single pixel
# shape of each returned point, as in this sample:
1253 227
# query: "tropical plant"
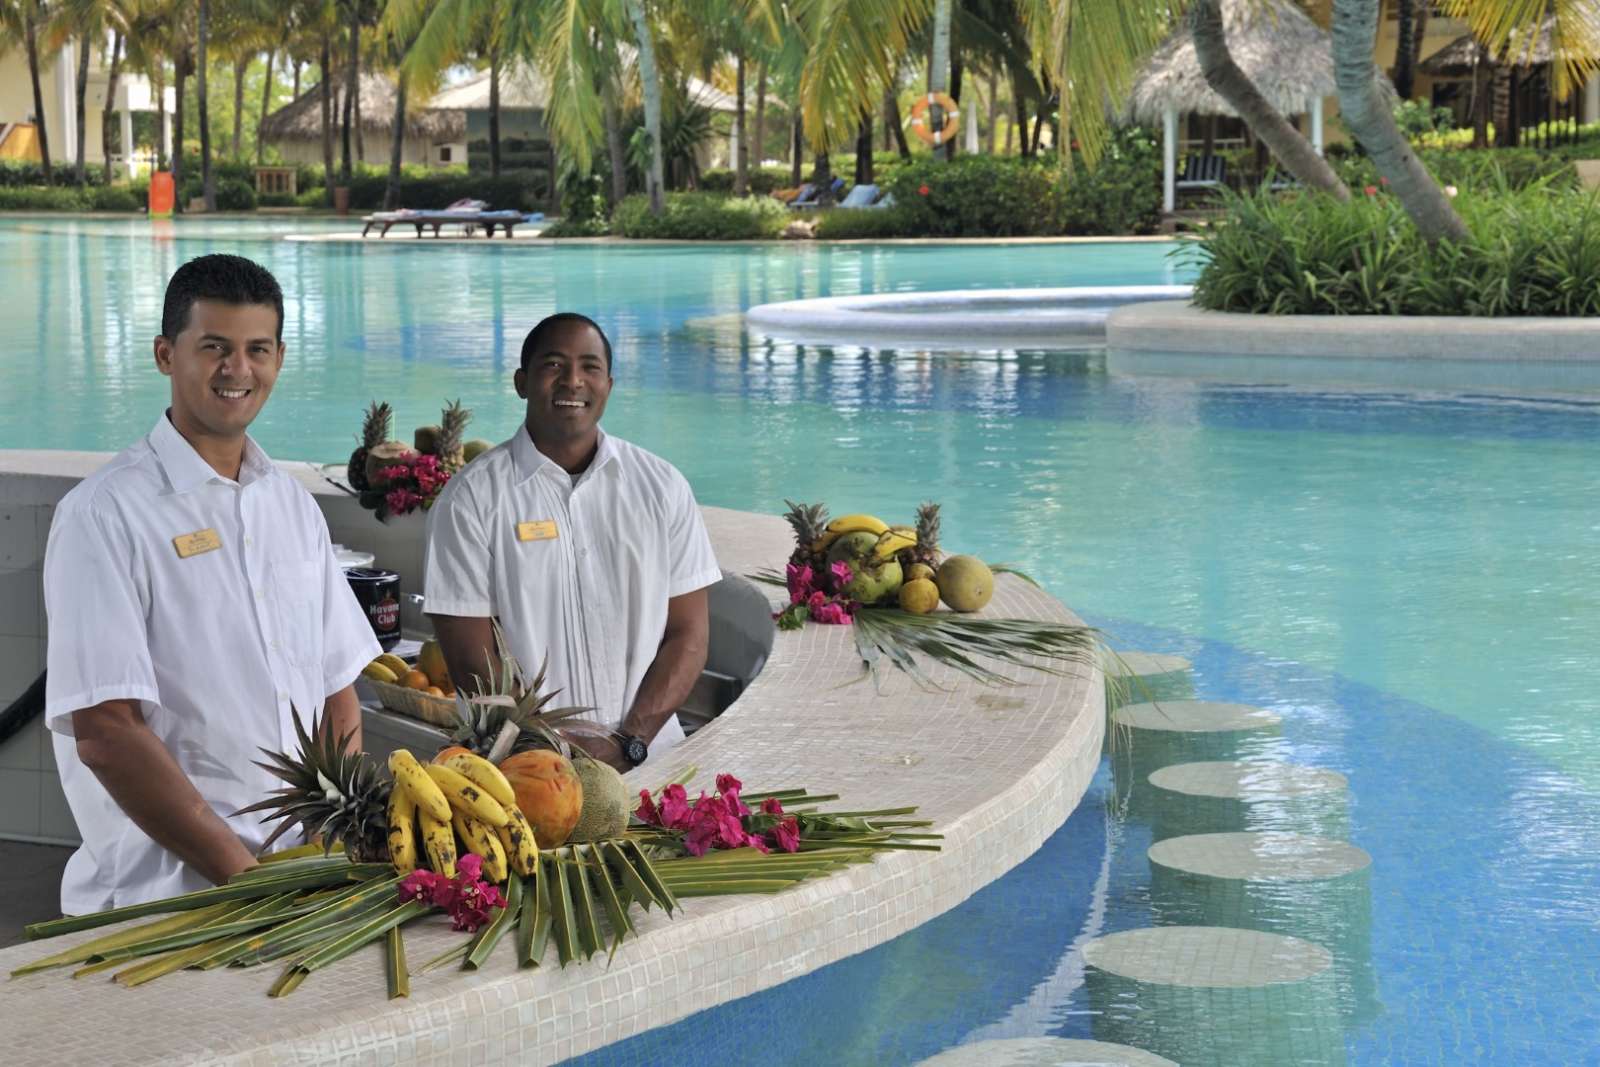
22 20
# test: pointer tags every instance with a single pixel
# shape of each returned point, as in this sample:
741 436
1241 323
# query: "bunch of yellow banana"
893 540
466 796
386 668
845 524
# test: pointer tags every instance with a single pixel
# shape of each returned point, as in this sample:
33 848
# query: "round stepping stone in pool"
1229 795
1210 995
1159 734
1297 885
1045 1052
1134 677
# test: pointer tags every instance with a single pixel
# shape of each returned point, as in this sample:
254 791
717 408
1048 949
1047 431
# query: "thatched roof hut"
1286 55
1461 57
301 118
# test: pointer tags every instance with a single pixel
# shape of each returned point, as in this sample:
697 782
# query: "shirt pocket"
297 610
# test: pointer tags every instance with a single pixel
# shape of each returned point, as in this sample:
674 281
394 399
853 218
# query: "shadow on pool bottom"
1474 937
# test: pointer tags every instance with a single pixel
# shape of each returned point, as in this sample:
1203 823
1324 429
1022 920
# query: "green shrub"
701 217
977 196
577 228
763 180
235 195
866 223
115 198
1470 168
1122 194
42 198
1534 251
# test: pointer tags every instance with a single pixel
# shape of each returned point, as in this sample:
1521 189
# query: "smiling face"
566 383
223 364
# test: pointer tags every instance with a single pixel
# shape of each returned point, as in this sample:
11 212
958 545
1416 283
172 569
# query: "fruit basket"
436 711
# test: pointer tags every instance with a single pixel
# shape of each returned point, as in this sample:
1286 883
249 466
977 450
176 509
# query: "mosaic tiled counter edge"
997 769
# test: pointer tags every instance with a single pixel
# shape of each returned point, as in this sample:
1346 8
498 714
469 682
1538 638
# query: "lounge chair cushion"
861 196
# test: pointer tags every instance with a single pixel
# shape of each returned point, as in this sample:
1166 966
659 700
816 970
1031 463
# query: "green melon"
965 583
874 580
606 802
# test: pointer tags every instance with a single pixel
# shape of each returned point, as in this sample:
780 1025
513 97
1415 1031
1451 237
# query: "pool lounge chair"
862 195
809 198
467 213
1203 172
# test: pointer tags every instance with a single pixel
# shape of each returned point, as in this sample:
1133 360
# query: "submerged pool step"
1045 1052
1297 885
1159 734
1220 796
1150 676
1211 996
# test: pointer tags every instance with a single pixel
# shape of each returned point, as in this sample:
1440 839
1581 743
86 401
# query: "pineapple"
374 430
483 716
452 433
809 522
331 792
927 547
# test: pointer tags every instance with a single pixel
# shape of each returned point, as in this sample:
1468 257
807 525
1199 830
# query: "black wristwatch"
634 750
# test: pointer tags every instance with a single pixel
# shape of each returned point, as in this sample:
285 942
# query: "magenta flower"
466 897
833 614
675 810
787 834
800 580
771 806
646 811
841 574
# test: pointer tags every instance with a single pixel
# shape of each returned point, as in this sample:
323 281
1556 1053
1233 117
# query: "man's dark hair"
539 335
225 279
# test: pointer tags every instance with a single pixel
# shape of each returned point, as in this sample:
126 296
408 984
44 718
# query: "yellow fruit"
449 752
409 775
851 523
439 839
606 802
379 673
465 796
475 448
965 583
549 793
402 831
434 691
415 680
430 661
919 570
517 838
481 841
394 663
485 775
919 596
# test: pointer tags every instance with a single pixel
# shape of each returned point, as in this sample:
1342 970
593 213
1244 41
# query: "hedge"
701 217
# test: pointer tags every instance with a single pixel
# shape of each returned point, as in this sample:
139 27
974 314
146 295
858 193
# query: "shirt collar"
529 461
186 470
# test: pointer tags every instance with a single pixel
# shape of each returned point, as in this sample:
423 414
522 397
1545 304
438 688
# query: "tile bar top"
998 770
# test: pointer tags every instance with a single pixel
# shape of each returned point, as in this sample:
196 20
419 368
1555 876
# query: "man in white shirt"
590 551
195 605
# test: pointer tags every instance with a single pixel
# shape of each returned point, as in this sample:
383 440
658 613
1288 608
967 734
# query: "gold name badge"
193 544
544 530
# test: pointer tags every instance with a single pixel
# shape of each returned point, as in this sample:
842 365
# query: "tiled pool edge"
997 771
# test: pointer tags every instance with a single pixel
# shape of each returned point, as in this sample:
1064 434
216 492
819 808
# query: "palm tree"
650 87
83 23
446 32
22 19
208 182
939 64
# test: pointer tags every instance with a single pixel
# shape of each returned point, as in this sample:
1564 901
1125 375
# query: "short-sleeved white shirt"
215 647
593 598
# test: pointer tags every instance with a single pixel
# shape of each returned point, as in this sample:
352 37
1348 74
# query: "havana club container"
378 593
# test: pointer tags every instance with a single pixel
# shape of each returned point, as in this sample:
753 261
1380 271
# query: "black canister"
378 593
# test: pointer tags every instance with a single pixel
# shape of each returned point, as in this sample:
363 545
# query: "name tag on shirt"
544 530
194 544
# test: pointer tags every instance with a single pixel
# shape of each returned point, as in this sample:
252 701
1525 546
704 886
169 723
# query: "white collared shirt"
216 647
593 598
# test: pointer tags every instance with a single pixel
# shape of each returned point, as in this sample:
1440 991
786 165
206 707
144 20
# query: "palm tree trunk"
796 146
822 177
208 185
30 34
80 98
759 138
1019 104
266 105
1482 102
494 113
391 192
352 87
741 163
952 146
1366 114
650 85
891 118
179 75
108 115
1233 85
325 83
1405 68
158 80
240 66
939 67
994 112
614 153
864 149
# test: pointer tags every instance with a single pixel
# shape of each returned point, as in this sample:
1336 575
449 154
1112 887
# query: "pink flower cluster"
718 821
467 897
412 483
819 597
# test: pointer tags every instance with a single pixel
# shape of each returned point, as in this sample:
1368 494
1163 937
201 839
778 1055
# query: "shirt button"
248 542
260 595
274 646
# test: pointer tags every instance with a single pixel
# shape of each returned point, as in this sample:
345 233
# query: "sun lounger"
470 217
1203 172
861 196
809 197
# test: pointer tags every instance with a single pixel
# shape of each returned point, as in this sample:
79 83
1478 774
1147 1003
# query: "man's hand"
148 785
606 749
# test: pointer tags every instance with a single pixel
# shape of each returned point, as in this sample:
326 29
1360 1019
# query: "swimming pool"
1406 577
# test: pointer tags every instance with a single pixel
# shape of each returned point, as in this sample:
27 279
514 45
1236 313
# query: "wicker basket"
436 711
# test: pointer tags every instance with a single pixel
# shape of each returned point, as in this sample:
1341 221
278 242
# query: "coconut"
874 580
965 583
426 439
475 448
606 803
384 455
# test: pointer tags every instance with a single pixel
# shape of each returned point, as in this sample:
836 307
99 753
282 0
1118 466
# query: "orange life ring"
919 122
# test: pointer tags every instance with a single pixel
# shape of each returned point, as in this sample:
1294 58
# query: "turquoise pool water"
1408 578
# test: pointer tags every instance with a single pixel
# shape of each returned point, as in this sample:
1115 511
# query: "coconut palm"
23 20
208 181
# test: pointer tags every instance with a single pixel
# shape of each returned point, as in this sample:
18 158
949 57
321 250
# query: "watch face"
634 751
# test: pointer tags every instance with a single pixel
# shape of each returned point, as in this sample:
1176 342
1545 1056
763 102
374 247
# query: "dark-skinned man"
589 550
194 606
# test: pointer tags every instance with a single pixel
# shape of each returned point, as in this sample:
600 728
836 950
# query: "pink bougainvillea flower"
816 600
833 614
787 834
729 787
841 574
675 810
646 811
420 884
1371 190
771 806
800 580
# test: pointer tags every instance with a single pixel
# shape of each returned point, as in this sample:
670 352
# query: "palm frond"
962 642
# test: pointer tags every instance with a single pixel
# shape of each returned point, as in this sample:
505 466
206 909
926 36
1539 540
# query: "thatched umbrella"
1286 55
301 118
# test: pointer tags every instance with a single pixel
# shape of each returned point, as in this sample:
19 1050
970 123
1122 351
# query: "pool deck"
997 770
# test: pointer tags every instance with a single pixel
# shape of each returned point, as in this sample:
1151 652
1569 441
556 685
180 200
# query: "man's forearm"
148 785
468 646
341 713
666 684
